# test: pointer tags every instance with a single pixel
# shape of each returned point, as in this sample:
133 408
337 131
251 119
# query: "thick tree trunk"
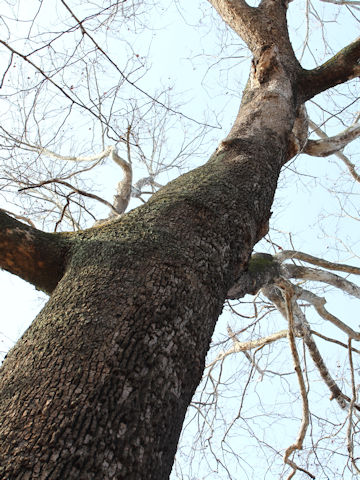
98 386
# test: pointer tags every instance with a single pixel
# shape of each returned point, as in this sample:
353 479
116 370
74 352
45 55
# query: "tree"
99 385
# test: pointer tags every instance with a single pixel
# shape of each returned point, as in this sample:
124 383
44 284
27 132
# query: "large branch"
239 16
344 66
339 154
320 262
122 198
330 145
263 269
317 275
33 255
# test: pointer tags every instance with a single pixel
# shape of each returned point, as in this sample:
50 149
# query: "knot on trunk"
266 63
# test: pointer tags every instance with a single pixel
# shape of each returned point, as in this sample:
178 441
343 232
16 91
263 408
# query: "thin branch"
122 197
49 153
336 393
318 303
49 79
90 158
288 294
333 340
63 211
69 185
350 443
341 267
251 344
235 340
350 3
302 329
19 217
133 84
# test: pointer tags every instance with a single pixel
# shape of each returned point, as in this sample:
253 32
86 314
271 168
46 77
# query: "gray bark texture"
98 386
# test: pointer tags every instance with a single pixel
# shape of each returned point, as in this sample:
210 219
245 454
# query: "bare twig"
288 294
243 346
333 340
235 340
72 187
352 403
114 64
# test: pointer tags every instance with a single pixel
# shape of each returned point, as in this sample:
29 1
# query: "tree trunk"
98 386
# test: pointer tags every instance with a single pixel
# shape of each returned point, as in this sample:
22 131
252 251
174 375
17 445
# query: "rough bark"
98 386
342 67
35 256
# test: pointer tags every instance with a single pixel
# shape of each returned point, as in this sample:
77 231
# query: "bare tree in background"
99 385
